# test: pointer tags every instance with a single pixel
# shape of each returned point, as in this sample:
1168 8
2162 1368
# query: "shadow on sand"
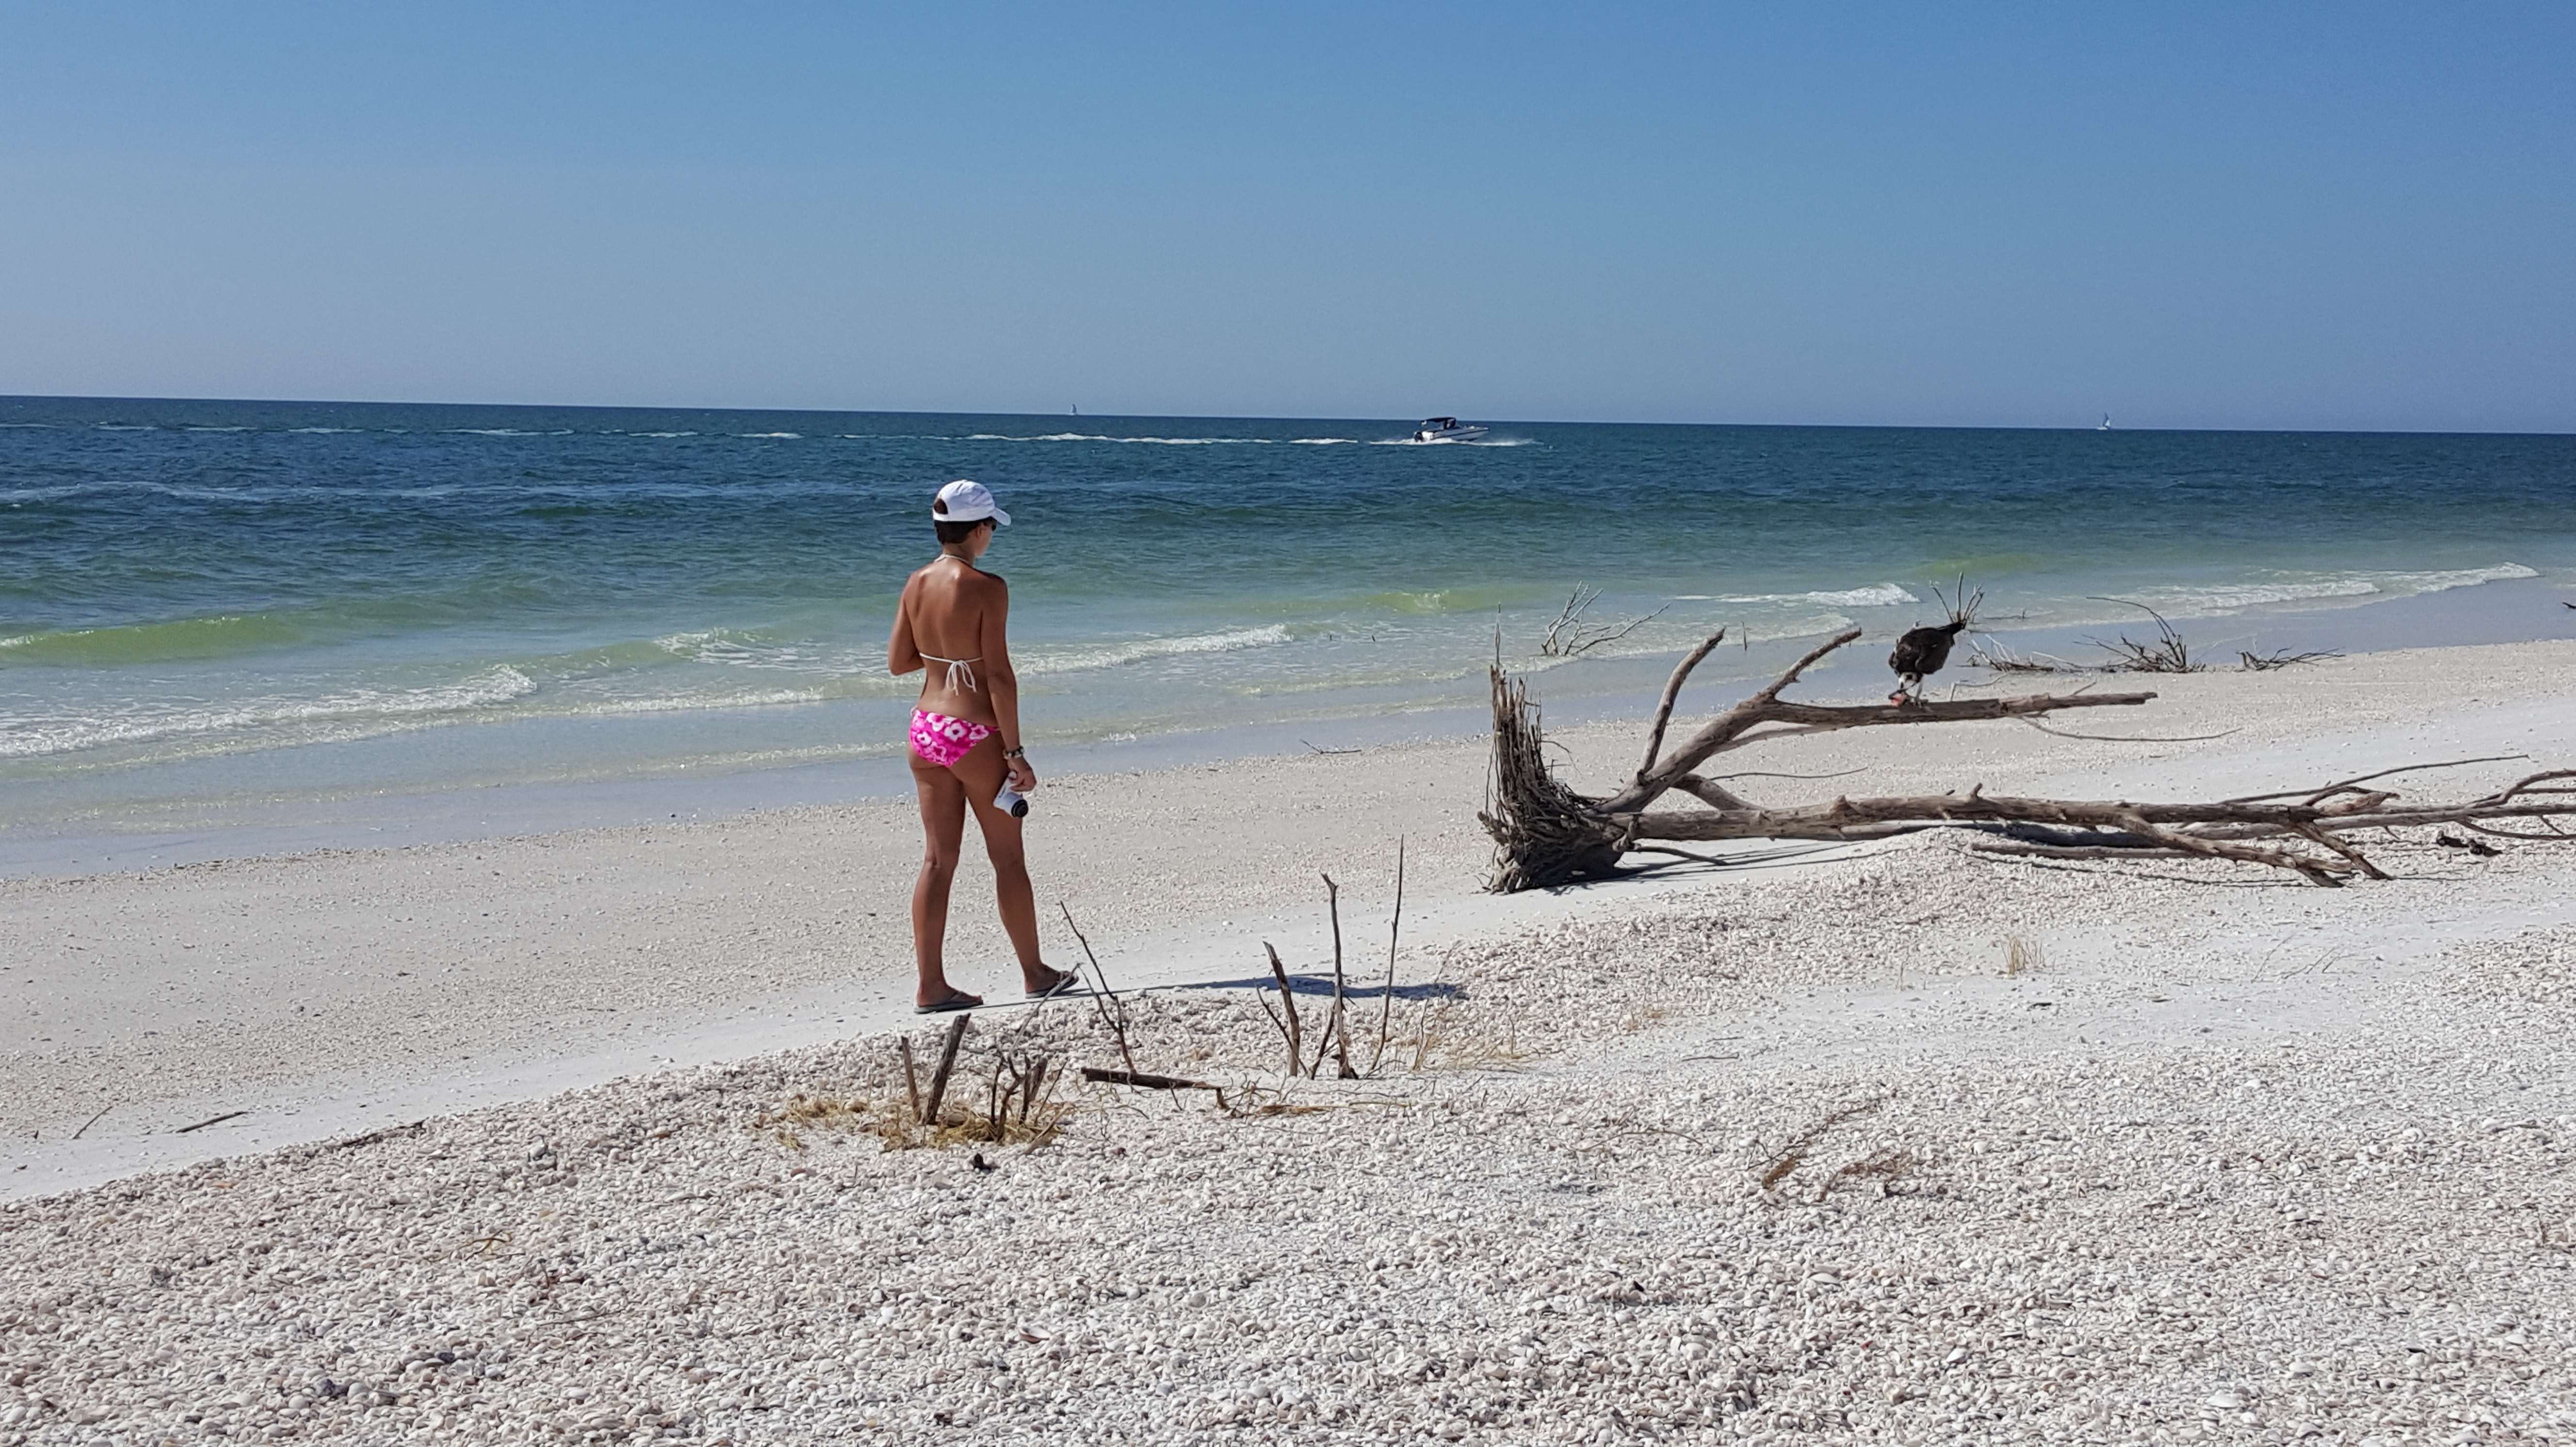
1323 985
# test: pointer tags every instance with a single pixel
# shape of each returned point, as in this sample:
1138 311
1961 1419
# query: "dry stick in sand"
1794 1154
998 1092
1037 1082
1142 1080
218 1120
1291 1029
1105 996
1339 1031
1386 997
939 1076
93 1120
911 1077
1155 1082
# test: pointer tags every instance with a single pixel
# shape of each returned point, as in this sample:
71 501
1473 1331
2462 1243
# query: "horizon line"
6 398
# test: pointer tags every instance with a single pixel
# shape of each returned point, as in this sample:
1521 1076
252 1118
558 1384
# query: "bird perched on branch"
1921 652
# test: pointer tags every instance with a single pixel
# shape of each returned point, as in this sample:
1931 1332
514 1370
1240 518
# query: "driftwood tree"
1545 833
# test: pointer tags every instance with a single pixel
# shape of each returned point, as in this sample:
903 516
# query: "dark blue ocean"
211 607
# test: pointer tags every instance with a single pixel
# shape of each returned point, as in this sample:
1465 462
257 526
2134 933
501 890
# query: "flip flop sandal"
957 1000
1067 982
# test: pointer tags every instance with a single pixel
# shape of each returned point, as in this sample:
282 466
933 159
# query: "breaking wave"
28 738
1115 655
738 648
1165 441
2228 597
1883 595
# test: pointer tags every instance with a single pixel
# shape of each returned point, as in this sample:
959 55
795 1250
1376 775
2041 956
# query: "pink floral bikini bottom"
943 740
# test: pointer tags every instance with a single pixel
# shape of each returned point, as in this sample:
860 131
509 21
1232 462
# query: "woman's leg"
943 826
981 774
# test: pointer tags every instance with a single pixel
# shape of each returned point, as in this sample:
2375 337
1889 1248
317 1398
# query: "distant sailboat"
2106 423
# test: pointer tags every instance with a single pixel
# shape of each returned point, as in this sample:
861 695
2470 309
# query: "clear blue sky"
2226 215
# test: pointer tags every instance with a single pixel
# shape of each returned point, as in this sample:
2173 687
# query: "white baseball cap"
968 502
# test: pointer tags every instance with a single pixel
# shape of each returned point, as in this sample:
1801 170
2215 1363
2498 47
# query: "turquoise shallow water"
210 605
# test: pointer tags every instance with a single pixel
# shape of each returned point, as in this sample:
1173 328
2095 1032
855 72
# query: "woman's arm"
1002 685
902 656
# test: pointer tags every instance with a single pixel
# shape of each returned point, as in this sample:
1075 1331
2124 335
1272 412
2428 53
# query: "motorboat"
1446 429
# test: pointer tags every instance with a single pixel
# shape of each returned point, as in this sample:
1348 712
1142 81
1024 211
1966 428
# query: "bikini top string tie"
960 677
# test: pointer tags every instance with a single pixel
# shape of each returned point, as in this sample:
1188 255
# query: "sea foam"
1166 441
2228 597
1072 660
25 738
1883 595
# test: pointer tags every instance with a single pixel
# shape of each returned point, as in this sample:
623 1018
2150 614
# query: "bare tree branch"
1672 694
1734 728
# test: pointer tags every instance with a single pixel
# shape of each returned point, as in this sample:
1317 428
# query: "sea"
233 627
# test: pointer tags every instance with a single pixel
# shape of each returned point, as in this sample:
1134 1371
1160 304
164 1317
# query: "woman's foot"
953 1000
1053 983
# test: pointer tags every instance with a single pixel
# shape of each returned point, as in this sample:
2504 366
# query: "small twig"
376 1137
2168 654
1794 1154
1294 1029
2318 836
2312 795
1676 853
2259 663
1144 1082
218 1120
1572 636
2132 739
93 1120
911 1077
1037 1085
2555 834
1394 931
1328 751
1105 996
998 1092
1339 1031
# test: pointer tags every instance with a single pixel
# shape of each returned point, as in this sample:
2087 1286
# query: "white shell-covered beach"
591 1137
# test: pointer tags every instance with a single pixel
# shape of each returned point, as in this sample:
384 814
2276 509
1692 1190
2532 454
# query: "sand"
2216 1163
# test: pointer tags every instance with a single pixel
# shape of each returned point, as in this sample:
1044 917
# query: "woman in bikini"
965 740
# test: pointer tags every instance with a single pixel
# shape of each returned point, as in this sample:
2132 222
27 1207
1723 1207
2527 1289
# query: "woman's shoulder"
970 582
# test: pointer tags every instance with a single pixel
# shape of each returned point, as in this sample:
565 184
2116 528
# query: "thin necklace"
961 557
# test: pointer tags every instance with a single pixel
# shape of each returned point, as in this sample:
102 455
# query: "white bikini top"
960 677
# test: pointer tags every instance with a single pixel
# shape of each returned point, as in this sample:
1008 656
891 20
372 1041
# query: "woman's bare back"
952 614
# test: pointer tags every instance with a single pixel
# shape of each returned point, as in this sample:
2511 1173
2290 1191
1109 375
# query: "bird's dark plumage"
1923 651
